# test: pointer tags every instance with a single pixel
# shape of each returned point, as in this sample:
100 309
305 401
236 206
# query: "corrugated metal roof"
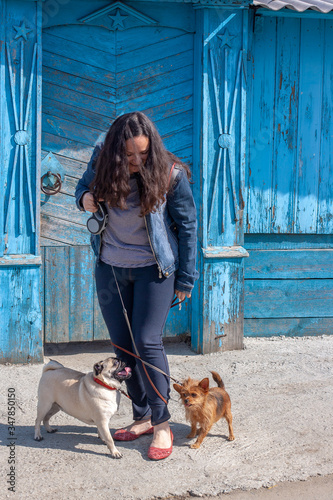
323 6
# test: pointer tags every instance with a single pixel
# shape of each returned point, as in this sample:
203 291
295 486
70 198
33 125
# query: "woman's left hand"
182 295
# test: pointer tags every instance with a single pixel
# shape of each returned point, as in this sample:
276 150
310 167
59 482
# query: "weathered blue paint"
289 183
290 264
219 163
290 327
93 70
247 102
20 52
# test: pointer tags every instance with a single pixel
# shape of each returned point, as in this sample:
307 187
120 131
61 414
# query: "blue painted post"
219 170
20 103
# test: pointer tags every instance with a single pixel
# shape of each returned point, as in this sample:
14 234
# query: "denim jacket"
172 228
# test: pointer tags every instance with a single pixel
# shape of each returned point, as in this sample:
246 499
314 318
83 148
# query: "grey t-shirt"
125 240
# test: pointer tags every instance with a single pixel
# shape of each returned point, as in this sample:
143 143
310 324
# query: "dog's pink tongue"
125 371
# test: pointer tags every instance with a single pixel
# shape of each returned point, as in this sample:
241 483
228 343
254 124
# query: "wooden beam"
20 106
219 170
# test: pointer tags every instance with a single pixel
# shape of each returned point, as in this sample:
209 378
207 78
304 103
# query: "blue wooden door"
98 64
289 206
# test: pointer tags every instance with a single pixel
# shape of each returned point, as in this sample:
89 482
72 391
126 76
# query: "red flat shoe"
160 453
124 435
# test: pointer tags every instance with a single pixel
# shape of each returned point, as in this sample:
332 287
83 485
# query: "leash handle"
174 303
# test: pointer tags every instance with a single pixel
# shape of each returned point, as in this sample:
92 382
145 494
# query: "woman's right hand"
88 203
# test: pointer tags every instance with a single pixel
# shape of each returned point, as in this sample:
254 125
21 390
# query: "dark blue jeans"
147 299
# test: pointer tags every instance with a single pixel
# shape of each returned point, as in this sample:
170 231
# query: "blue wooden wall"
219 162
245 99
100 62
289 205
20 107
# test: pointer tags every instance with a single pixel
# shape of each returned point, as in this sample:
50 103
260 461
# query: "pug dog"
90 397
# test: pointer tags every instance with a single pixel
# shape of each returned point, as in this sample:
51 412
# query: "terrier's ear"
177 387
204 384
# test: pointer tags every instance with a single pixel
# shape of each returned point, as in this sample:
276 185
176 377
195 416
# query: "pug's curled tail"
218 379
52 365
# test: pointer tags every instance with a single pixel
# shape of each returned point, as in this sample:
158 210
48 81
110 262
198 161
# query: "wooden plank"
81 277
288 298
155 68
79 84
19 166
287 241
67 130
143 37
85 36
154 83
285 125
225 252
76 115
217 316
21 325
76 100
67 149
69 185
168 48
325 193
59 231
161 110
259 201
4 132
55 62
47 242
185 154
18 260
57 297
177 321
176 142
222 305
289 264
77 52
309 125
290 327
168 95
63 206
176 124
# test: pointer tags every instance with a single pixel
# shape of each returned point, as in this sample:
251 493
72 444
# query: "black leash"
137 355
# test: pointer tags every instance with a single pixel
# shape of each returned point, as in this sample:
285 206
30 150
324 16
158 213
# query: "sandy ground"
281 391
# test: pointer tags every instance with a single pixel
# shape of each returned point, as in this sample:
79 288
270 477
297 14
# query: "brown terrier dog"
204 406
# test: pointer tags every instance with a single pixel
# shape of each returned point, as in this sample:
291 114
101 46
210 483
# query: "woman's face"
137 152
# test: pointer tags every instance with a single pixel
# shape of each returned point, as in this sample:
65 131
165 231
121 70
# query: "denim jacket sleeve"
83 184
181 207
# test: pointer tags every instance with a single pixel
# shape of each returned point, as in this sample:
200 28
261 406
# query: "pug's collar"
109 387
104 385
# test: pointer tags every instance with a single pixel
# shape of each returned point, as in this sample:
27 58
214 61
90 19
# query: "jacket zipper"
151 246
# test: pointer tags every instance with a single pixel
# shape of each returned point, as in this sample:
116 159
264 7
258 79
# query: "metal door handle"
49 186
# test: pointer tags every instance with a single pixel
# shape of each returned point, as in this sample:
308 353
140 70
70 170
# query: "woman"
149 246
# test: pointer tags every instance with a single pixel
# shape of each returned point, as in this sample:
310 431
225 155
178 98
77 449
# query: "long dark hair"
111 182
